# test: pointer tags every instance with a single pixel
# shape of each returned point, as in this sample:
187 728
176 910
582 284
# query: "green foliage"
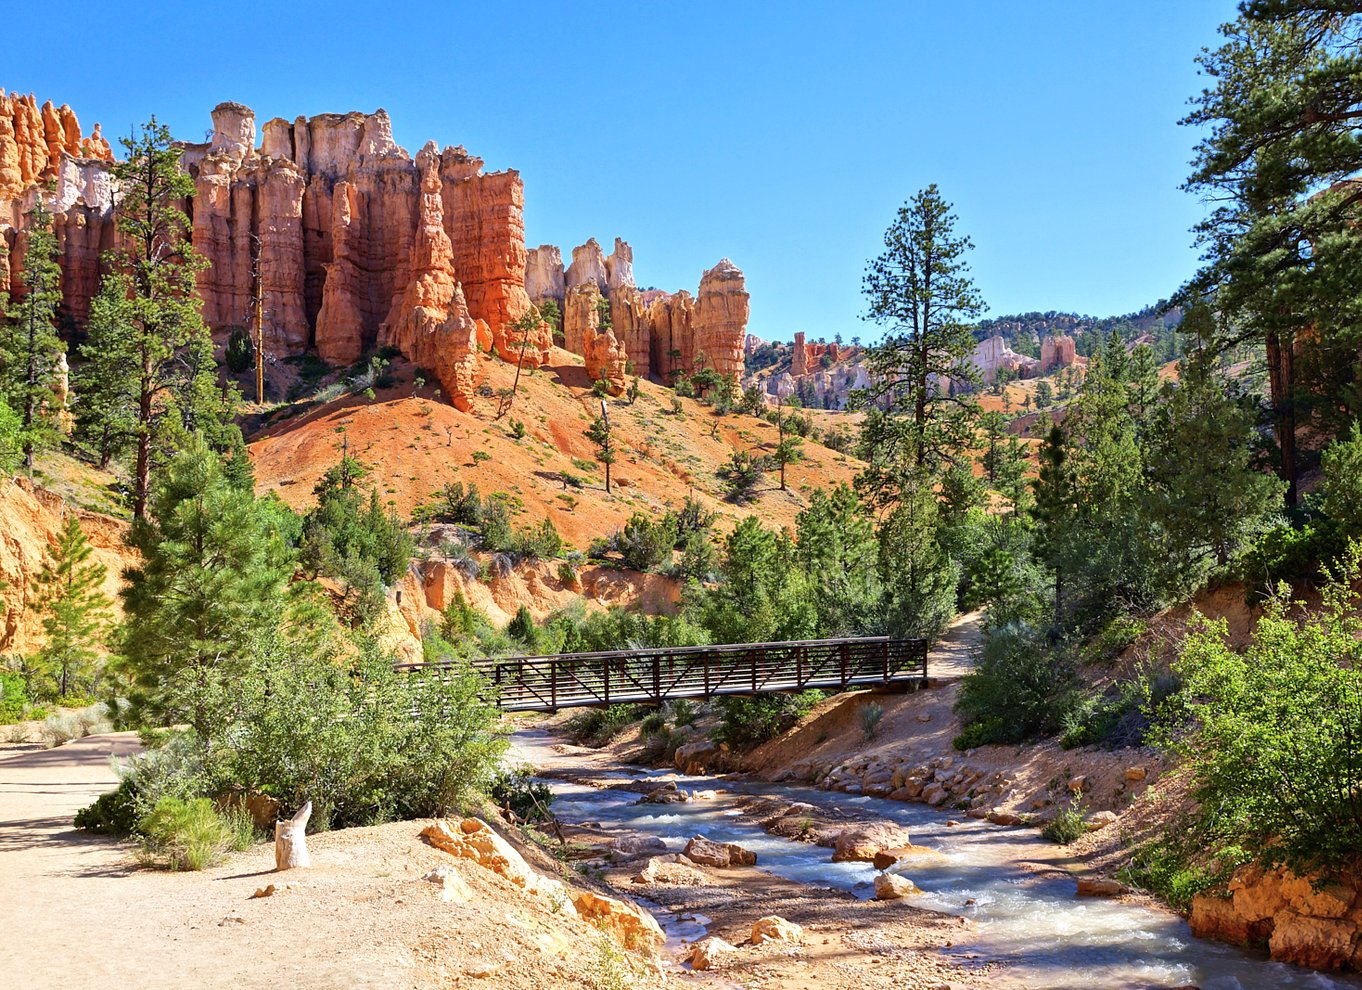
599 433
1020 688
240 353
1289 553
29 346
920 291
918 575
521 796
1171 867
746 722
185 834
741 476
870 715
15 701
361 546
599 726
1341 485
68 594
118 812
209 586
1270 736
11 439
1067 826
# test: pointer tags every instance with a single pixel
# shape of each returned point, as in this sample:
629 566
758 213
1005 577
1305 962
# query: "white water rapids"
1029 919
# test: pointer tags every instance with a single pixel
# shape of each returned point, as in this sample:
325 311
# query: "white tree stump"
290 841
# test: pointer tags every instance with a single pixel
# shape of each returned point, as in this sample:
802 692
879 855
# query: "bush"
1289 553
598 726
683 712
186 835
870 715
517 792
746 722
653 723
240 353
1270 736
14 699
1066 827
115 813
1021 687
1169 867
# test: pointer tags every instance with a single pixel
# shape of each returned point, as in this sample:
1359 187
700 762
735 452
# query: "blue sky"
781 135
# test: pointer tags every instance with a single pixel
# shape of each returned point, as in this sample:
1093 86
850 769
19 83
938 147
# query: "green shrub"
14 699
185 835
683 712
1067 826
516 791
1022 687
240 353
1270 736
115 813
598 726
746 722
1169 867
653 723
1289 553
870 715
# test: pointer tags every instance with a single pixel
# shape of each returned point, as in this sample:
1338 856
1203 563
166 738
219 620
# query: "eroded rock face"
721 319
544 276
631 925
1057 352
473 839
429 322
1319 928
588 266
581 314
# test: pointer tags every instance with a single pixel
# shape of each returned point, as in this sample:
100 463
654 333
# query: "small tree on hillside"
1054 508
788 444
600 434
741 476
75 611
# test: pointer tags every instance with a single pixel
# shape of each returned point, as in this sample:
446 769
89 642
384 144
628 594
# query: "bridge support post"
657 679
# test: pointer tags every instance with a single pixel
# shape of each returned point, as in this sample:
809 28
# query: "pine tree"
70 597
1054 509
599 433
161 335
30 347
208 592
1207 495
1143 382
788 444
918 575
919 408
106 380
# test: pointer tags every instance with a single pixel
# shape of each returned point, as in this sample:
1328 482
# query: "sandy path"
953 655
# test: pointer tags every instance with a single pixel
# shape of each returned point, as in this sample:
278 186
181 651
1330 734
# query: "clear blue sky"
782 135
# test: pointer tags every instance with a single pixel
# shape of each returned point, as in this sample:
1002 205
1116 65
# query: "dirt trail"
953 655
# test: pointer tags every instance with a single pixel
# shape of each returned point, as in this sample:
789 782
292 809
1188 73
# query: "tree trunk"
290 841
1281 372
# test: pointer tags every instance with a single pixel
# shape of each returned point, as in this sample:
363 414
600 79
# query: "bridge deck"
576 680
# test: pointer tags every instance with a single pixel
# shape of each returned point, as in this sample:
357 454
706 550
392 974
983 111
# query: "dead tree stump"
290 841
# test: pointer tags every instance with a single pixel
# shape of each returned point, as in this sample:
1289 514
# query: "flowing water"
1028 918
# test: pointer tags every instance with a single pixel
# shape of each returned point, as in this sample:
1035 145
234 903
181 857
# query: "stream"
1028 919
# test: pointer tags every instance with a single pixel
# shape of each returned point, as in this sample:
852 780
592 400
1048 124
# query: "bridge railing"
548 683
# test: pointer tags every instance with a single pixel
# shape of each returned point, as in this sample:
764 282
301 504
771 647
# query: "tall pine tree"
30 345
919 409
70 597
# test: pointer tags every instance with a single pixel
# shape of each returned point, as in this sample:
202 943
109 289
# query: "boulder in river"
886 858
892 887
706 852
696 757
861 843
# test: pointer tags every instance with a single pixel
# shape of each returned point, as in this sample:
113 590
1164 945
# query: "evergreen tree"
1143 382
1045 394
30 347
106 382
208 591
599 433
70 597
1207 496
1282 247
162 338
788 444
919 408
835 546
918 575
1054 509
11 439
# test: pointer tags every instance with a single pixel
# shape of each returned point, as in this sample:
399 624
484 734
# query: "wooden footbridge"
652 676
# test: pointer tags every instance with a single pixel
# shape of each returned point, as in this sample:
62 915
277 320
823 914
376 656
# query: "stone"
861 843
720 855
1079 784
475 840
886 858
696 757
892 887
670 871
633 927
452 885
1318 943
999 817
710 953
1136 774
774 928
1100 820
1057 352
721 319
1088 887
635 846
